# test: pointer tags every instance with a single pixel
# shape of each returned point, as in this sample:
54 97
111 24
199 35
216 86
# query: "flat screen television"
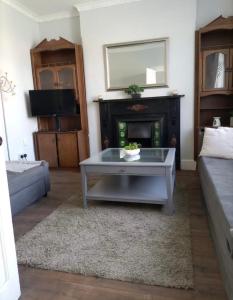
53 102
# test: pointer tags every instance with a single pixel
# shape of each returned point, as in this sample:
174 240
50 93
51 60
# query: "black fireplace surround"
151 121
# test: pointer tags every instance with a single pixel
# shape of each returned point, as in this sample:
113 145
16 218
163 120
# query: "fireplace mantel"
161 112
138 99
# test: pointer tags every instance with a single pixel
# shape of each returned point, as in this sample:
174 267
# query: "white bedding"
19 166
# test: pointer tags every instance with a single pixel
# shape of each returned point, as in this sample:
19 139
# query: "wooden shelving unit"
58 64
214 76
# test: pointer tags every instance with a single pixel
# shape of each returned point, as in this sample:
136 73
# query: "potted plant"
132 149
134 90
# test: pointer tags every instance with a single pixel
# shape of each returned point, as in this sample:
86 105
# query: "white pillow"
218 142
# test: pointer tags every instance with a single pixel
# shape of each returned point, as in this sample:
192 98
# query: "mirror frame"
106 47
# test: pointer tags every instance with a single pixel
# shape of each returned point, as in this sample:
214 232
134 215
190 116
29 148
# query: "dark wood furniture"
60 149
160 114
58 64
214 76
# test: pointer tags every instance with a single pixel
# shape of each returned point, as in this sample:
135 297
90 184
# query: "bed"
28 186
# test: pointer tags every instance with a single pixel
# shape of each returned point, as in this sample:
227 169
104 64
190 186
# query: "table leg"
174 174
84 186
169 206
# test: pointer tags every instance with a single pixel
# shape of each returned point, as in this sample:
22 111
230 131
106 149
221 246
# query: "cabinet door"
66 77
46 78
47 148
215 65
67 144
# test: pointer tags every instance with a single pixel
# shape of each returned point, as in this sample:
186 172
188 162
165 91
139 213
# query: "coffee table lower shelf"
124 188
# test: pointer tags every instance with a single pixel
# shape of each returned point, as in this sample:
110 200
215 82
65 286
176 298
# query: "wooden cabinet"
59 149
214 76
58 64
67 145
46 148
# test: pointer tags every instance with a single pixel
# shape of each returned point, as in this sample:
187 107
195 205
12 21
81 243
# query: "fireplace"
147 133
152 122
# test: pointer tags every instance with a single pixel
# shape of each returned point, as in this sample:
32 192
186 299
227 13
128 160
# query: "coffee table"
146 178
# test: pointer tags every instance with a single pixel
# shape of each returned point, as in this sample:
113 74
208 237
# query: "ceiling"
45 10
48 7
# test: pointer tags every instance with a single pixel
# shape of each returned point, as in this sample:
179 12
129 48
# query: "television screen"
53 102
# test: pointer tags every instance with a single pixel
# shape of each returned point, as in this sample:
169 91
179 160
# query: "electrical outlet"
23 156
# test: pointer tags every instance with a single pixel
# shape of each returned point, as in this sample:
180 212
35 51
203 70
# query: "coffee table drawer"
127 170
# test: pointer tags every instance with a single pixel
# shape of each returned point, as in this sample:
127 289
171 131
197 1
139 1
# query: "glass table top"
145 155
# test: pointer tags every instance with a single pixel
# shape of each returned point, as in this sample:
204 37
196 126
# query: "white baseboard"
188 164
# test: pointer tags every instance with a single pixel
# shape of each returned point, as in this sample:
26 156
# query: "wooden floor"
39 284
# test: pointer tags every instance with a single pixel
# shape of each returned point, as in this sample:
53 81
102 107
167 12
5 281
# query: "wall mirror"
143 63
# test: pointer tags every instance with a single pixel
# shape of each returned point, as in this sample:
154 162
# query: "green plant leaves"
134 89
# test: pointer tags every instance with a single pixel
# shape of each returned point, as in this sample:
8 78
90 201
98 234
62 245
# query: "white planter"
132 152
132 157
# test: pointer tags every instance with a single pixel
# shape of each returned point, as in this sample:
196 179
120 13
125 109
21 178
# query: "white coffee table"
147 178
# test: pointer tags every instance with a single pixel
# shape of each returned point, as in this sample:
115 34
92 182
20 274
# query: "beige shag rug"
128 242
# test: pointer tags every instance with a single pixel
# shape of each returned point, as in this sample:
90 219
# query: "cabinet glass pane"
46 80
215 71
66 78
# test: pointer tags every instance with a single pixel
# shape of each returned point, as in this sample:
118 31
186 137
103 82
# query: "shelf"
217 108
59 64
223 46
137 100
214 93
140 189
216 102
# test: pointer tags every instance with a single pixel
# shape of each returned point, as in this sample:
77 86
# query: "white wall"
138 21
18 35
2 131
208 10
68 28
